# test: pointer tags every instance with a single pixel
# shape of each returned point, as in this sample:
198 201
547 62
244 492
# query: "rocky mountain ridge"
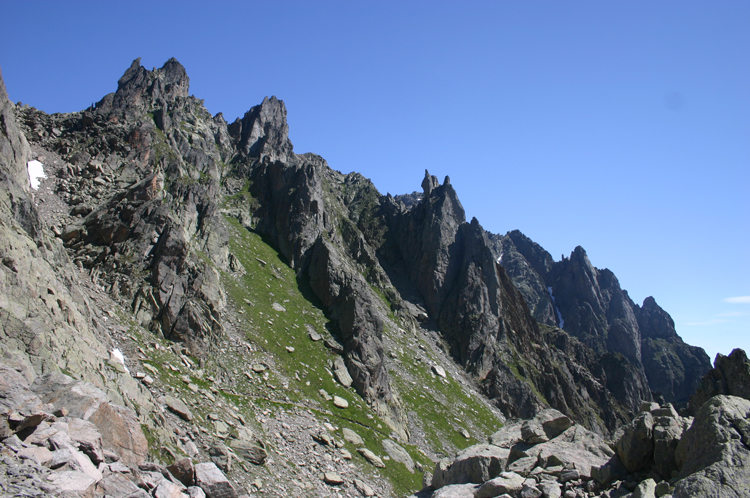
175 217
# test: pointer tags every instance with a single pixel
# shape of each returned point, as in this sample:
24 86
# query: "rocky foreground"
658 454
63 437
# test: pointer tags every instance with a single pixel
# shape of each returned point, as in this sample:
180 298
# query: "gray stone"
115 485
530 492
341 373
195 492
475 464
72 459
371 457
569 475
508 435
523 465
713 454
178 407
213 481
221 456
184 471
86 436
74 482
550 489
339 402
667 433
439 371
352 437
576 448
455 491
38 454
398 454
168 489
662 489
249 451
645 489
363 488
636 445
507 482
332 478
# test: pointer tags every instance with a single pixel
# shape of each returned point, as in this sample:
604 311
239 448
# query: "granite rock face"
589 304
730 376
714 454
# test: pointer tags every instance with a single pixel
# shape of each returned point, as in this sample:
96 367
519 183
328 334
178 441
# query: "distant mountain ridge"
598 312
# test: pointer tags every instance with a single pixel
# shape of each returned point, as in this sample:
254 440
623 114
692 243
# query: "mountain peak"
263 130
139 89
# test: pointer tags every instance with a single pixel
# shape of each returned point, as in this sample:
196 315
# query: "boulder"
371 457
398 454
121 432
87 438
117 486
352 437
476 464
332 478
184 471
118 426
645 489
667 434
249 451
507 482
341 373
508 435
213 481
456 491
714 453
71 459
550 489
37 454
576 448
168 489
636 445
221 456
178 407
72 483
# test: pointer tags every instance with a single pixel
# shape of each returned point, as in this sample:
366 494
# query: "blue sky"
623 127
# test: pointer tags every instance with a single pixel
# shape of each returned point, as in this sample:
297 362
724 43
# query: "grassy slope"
441 407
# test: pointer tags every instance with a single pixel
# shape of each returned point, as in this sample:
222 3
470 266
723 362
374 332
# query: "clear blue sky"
623 127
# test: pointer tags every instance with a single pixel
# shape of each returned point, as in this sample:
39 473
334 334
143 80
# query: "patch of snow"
36 173
499 258
117 354
559 316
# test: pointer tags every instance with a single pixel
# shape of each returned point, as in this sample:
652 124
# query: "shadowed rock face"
590 305
730 376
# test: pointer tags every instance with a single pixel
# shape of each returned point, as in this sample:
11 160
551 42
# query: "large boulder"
576 448
507 482
398 454
213 481
475 464
636 445
118 425
714 454
546 425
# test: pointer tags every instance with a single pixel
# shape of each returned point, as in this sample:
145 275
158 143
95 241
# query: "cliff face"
147 179
589 304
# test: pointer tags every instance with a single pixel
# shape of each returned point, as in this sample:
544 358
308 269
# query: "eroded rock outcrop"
589 304
730 376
